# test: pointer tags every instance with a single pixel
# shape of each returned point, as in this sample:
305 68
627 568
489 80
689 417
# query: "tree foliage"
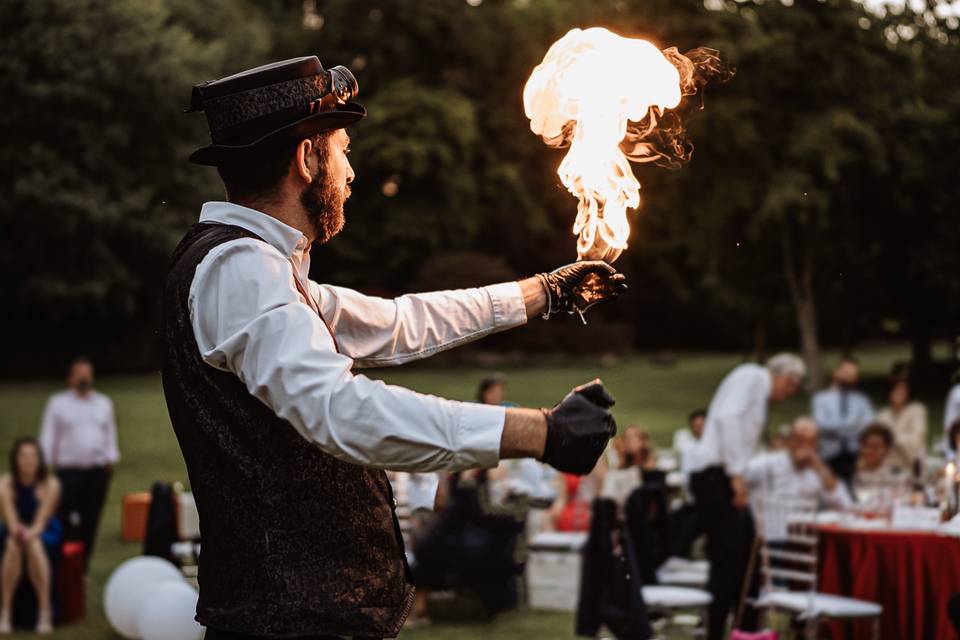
819 203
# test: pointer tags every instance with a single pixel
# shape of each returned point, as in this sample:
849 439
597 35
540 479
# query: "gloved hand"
578 429
580 285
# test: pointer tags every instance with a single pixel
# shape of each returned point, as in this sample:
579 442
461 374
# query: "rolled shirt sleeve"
250 319
377 332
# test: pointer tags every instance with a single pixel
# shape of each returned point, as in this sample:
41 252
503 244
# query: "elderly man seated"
796 472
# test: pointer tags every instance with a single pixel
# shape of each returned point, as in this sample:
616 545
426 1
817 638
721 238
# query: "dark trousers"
729 540
219 634
686 525
83 492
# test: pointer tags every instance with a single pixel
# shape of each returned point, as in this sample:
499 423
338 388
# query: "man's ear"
305 158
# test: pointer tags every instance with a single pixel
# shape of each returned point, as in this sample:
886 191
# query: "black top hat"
295 98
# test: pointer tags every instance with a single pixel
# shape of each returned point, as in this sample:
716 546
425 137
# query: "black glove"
578 429
580 285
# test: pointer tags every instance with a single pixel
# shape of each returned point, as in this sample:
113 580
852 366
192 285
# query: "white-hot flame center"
598 80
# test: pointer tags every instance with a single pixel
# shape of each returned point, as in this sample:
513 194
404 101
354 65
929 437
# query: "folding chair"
788 568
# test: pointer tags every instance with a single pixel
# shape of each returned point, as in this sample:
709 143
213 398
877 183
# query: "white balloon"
127 589
168 612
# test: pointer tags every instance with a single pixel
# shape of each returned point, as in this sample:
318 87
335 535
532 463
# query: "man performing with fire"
284 444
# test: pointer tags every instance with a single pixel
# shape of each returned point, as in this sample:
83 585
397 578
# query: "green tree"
95 190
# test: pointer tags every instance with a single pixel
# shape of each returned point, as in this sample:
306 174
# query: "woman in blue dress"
28 501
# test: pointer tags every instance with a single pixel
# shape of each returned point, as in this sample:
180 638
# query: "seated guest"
636 457
686 523
685 440
28 498
841 412
794 472
875 470
638 450
908 421
575 494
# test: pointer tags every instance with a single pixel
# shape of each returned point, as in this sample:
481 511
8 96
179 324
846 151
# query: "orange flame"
606 97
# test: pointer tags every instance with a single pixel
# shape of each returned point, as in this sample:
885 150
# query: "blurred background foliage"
819 208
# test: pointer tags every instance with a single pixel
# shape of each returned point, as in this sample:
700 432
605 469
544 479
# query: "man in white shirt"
735 418
78 434
686 524
794 473
840 412
283 441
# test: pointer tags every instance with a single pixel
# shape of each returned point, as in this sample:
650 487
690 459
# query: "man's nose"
350 174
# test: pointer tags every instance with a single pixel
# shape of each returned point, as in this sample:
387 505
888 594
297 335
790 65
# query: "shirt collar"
287 240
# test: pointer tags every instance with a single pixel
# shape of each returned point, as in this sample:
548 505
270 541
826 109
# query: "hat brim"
343 116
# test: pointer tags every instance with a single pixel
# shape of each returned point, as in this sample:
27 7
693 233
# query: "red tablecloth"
911 574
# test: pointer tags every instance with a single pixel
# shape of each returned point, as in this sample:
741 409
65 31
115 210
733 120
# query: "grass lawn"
657 396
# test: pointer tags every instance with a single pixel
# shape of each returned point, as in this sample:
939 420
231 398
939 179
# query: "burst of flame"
603 94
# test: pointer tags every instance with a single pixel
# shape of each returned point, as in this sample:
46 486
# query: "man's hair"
803 420
787 364
257 172
78 361
488 383
847 358
696 413
877 429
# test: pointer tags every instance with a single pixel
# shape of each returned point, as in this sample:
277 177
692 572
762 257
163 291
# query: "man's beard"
324 204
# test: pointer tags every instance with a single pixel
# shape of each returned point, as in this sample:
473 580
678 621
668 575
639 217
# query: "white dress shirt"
770 476
686 447
840 414
79 431
735 418
294 344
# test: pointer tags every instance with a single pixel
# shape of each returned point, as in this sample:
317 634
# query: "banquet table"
911 574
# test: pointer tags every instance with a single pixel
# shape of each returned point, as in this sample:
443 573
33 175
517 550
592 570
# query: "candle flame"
612 100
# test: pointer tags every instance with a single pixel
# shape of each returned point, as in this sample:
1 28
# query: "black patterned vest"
294 541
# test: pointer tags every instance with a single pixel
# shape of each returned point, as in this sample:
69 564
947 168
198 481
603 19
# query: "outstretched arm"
377 332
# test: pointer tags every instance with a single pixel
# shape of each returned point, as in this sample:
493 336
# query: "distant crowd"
844 454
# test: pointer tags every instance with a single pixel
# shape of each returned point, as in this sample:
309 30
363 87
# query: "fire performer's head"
278 139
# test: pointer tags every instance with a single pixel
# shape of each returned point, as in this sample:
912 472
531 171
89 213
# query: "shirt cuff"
479 431
509 309
736 468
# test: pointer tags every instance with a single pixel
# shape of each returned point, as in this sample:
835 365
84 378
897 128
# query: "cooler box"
71 584
136 506
553 569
